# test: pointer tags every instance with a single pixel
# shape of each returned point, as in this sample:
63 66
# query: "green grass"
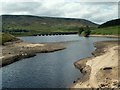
113 30
5 37
42 29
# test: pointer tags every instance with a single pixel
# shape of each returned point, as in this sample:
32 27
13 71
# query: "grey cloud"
92 11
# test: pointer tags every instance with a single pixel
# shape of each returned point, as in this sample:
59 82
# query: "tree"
86 31
80 30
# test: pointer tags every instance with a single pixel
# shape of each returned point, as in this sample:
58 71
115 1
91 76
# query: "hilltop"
115 22
28 25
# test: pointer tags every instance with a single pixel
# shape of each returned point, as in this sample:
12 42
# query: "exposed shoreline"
110 36
100 70
18 50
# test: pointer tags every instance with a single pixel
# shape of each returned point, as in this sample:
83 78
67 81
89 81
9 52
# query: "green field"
113 30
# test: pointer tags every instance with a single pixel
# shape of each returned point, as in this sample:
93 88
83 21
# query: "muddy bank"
12 52
101 70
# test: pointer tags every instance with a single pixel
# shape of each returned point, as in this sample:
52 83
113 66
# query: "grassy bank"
5 37
113 30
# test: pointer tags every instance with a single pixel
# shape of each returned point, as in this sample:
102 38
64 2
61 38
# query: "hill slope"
112 30
111 27
115 22
26 24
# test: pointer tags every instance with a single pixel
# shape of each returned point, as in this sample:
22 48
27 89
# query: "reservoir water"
49 70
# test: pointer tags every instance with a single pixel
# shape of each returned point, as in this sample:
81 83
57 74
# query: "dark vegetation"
85 31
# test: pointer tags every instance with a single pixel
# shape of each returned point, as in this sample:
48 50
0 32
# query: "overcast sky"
98 12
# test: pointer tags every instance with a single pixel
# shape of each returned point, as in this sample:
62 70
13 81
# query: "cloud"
20 7
98 12
60 0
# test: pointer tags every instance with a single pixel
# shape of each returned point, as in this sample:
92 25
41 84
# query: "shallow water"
49 70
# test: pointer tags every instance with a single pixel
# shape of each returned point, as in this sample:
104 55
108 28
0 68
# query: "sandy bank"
112 36
18 50
101 70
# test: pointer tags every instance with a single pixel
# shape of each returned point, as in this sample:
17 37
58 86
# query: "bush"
80 30
85 31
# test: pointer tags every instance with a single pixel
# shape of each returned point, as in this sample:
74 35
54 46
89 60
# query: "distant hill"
115 22
26 24
112 30
111 27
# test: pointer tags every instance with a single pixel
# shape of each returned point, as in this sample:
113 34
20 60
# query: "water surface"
49 70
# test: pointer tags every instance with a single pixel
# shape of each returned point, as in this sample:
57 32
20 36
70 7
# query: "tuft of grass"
5 37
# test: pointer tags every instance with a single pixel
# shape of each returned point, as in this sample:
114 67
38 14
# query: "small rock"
74 81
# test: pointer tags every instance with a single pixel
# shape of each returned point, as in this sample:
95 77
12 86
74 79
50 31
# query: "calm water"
49 70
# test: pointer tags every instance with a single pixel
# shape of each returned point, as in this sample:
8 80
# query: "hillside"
28 25
115 22
112 30
111 27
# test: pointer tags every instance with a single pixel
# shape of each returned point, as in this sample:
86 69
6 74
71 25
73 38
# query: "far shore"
101 70
14 51
110 36
91 35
